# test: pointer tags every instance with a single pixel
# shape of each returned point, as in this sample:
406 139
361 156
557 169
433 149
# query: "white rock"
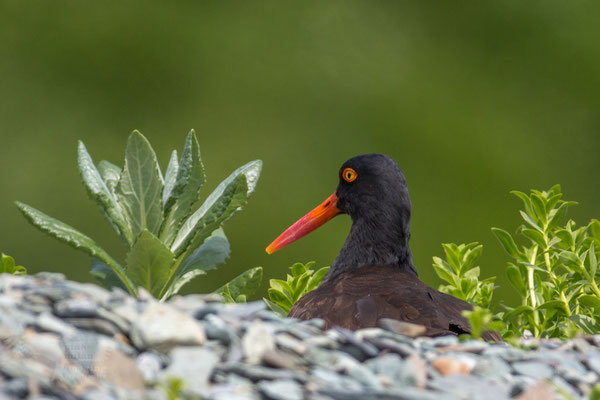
162 327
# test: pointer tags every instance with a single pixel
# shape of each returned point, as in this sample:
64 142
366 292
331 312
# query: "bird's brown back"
359 298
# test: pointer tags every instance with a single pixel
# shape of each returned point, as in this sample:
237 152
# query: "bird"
373 276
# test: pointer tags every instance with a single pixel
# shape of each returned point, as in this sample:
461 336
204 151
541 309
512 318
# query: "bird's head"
371 189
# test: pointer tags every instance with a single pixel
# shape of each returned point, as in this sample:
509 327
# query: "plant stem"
531 287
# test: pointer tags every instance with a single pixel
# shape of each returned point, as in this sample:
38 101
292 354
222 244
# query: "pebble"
66 340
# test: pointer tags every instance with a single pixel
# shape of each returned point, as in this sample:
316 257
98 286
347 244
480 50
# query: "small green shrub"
554 271
462 276
7 265
169 243
284 294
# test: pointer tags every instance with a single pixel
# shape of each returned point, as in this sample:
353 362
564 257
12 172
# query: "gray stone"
332 380
149 365
398 371
193 365
593 361
81 348
281 389
76 308
49 323
257 373
16 388
257 340
536 370
161 327
470 387
491 367
94 324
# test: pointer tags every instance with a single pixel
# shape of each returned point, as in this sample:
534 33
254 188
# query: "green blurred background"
472 100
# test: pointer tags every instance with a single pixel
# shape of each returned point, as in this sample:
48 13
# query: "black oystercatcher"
373 276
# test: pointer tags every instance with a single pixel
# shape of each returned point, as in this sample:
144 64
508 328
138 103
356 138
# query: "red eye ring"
349 175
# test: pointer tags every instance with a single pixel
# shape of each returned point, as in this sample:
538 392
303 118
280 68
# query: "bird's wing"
359 299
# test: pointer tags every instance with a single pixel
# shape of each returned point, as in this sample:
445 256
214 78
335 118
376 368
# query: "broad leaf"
188 182
140 187
100 192
212 253
228 198
149 263
170 177
105 275
73 237
244 284
181 282
110 174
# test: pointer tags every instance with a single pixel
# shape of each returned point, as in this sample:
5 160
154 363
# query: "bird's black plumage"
373 276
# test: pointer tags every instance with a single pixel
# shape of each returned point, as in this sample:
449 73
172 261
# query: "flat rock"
193 365
161 327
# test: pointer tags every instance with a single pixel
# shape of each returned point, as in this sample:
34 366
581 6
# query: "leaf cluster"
169 242
283 294
462 276
7 265
555 270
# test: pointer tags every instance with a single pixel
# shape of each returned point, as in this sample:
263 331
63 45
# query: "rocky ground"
66 340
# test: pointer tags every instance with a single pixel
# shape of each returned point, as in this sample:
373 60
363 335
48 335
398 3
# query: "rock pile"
66 340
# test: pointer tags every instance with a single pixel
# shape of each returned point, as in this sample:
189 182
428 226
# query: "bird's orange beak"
305 225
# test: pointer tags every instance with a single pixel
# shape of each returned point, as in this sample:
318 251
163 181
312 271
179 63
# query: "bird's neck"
381 240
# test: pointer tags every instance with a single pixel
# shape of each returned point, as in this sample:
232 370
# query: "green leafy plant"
239 288
555 271
284 294
462 276
7 265
169 242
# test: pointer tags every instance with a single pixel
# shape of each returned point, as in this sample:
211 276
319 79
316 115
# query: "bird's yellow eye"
349 175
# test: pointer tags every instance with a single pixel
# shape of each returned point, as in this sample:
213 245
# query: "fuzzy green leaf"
188 182
170 178
588 324
68 234
245 284
100 192
149 263
110 174
228 198
105 275
140 187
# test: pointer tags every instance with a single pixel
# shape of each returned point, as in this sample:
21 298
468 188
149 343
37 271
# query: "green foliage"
284 294
169 243
7 265
462 276
482 320
239 288
555 272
